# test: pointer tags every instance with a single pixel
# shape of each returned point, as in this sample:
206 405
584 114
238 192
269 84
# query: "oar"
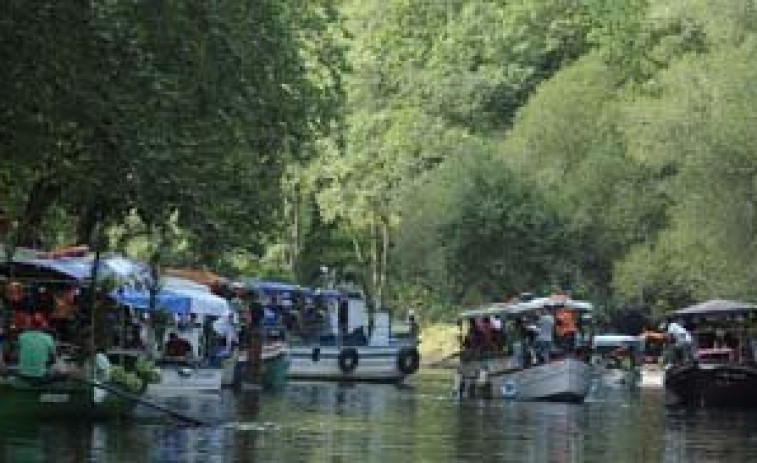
141 400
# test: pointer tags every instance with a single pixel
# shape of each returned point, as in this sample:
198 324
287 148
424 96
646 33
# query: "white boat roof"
512 309
715 307
614 339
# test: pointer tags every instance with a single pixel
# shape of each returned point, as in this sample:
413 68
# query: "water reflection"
322 422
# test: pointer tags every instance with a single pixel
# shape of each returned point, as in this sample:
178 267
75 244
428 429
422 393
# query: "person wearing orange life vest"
566 328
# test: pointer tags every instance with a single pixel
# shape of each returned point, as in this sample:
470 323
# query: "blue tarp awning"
166 300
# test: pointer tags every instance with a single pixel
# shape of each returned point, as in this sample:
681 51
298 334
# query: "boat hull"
617 378
566 380
374 363
177 380
59 400
719 385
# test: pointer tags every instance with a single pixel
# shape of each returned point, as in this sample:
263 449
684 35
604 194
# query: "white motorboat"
498 369
564 380
353 363
334 355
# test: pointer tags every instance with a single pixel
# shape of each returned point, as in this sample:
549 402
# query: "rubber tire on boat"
408 360
316 355
348 359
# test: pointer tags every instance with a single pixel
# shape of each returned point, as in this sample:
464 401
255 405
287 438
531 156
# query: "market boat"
722 371
53 283
345 349
506 371
65 398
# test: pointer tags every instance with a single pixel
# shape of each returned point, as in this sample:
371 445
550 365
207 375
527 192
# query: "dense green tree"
475 230
568 139
702 124
159 107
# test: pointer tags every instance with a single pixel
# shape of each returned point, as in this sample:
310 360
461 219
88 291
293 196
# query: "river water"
418 422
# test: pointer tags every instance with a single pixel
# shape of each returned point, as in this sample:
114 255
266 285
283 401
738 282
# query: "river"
419 422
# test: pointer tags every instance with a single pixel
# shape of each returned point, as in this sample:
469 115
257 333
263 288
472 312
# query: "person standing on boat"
682 342
473 341
227 328
415 330
545 338
566 328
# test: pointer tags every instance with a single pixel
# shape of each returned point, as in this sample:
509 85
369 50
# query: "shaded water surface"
322 422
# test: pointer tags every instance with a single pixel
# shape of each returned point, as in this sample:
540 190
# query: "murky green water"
312 422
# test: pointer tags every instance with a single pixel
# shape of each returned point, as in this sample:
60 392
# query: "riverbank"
438 345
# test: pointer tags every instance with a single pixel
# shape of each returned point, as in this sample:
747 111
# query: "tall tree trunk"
382 290
296 235
41 198
375 261
86 223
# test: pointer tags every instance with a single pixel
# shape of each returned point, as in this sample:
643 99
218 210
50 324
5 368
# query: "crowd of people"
533 337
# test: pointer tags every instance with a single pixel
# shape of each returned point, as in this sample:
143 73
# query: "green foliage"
126 379
703 125
147 371
435 152
638 38
116 107
474 231
569 140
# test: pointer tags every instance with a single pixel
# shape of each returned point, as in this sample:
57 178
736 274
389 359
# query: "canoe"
60 399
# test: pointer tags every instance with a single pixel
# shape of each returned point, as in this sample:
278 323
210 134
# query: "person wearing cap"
415 329
36 352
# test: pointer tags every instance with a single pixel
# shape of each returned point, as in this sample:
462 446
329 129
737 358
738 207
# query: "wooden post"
254 369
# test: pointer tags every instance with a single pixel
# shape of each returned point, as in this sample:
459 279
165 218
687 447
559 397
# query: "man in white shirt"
546 335
682 341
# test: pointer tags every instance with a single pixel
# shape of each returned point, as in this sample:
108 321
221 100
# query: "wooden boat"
74 399
500 372
722 371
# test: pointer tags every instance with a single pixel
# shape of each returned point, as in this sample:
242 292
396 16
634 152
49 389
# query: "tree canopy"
437 153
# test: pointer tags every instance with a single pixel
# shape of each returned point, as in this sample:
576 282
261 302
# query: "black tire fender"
408 360
348 359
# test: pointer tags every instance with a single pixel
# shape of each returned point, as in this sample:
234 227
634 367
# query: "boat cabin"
514 329
722 331
324 317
